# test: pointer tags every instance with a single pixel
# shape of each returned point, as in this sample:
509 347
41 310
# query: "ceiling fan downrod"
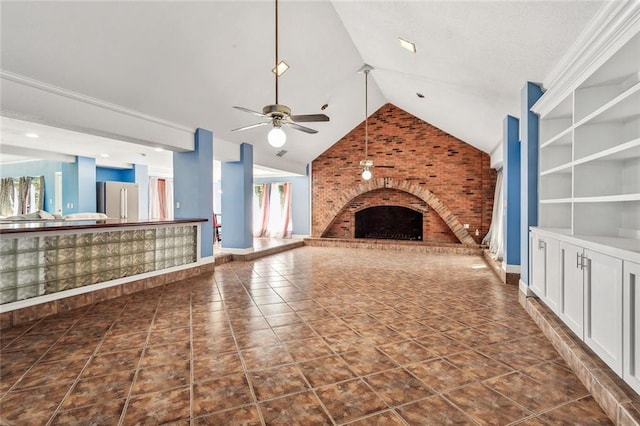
276 64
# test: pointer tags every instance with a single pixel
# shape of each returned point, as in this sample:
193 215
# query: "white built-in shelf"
625 151
629 244
589 159
563 168
556 201
561 231
562 138
621 108
608 198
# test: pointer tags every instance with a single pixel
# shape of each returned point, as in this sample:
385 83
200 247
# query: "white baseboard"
511 269
225 250
524 288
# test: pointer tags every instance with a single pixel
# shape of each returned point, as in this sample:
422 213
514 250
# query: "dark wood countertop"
19 227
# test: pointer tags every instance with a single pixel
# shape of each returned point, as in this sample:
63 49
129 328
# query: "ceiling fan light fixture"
276 137
410 46
280 69
366 174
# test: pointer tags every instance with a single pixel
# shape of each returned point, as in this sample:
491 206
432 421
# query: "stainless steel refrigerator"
118 200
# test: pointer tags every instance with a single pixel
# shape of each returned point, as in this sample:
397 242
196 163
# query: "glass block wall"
33 266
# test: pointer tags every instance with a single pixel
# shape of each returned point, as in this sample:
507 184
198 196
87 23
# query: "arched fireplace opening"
390 223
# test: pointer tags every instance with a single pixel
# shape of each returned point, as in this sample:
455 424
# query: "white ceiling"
190 62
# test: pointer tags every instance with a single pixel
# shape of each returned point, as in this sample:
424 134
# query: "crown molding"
36 84
615 23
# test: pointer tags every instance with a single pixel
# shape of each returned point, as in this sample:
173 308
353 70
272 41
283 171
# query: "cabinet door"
572 310
538 269
631 325
603 307
553 277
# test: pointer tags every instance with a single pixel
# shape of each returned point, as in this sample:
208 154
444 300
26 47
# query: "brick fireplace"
448 182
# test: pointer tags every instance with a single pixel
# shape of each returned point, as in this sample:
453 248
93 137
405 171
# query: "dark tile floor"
309 336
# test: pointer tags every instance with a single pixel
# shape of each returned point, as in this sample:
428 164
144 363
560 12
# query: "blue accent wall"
107 174
511 168
529 143
300 201
193 187
48 169
237 200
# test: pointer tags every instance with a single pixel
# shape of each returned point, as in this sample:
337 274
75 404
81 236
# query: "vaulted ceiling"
189 63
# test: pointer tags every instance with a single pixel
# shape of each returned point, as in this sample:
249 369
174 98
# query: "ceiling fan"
279 115
366 165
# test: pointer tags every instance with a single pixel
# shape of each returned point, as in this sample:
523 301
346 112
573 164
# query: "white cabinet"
572 284
584 287
631 325
538 267
545 270
603 307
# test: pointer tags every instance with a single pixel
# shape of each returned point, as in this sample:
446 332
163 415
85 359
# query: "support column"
193 187
237 207
511 170
79 183
529 142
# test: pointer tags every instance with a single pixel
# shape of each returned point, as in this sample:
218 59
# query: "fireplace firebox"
390 223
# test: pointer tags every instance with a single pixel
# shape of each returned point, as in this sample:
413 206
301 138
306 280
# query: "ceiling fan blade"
251 126
309 118
250 111
301 128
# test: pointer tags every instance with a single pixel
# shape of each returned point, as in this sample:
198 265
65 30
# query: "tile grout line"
145 346
191 363
245 371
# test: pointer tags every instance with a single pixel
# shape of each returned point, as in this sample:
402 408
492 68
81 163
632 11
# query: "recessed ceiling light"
280 68
32 135
411 47
104 155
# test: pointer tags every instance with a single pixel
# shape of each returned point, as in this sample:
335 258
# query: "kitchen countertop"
25 226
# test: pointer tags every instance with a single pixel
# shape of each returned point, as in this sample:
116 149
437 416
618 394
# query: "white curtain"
154 199
495 236
168 188
8 205
280 211
260 209
272 210
21 195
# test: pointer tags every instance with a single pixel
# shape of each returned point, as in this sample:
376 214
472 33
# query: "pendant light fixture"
279 115
366 164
